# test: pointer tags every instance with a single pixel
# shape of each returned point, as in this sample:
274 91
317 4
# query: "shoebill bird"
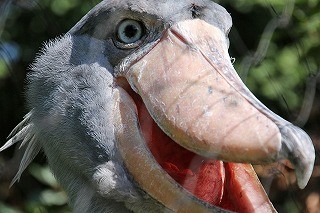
138 108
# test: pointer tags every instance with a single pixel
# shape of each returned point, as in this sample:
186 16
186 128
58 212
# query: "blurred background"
276 50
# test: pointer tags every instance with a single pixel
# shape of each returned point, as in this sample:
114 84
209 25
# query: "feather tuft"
31 152
24 132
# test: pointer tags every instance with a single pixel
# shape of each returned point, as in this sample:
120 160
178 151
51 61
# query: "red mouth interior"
204 178
212 181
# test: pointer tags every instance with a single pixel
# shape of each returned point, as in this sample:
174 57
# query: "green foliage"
51 197
4 72
43 175
8 209
292 55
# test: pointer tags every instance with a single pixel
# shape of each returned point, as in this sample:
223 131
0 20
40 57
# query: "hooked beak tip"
298 148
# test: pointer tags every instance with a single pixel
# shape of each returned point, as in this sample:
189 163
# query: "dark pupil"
130 31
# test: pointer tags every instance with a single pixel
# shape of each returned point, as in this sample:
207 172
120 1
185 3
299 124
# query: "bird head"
138 107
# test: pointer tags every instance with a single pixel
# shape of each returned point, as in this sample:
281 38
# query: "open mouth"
231 186
202 177
202 118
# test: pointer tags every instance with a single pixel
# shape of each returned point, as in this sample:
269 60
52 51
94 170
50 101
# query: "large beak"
194 94
192 91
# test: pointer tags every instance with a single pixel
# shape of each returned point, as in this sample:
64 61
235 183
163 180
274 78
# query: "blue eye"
129 31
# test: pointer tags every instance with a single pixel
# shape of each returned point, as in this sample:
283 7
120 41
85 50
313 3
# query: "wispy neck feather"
24 132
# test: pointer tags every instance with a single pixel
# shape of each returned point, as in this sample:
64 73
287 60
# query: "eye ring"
130 31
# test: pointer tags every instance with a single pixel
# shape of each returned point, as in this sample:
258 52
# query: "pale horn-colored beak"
195 95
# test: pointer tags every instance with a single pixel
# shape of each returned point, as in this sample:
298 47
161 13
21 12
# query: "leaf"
43 174
8 209
51 197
